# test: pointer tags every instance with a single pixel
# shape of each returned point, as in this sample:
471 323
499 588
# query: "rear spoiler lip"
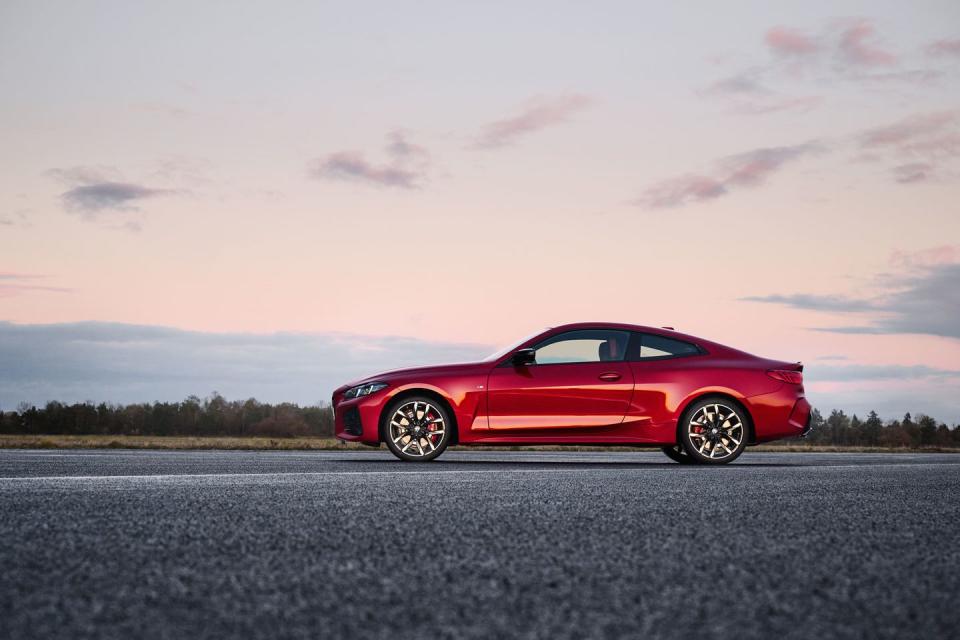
783 366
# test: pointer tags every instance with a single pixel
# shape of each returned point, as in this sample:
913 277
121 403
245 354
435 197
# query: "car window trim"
675 356
508 362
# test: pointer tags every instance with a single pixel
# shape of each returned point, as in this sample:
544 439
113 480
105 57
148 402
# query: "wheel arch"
725 395
426 392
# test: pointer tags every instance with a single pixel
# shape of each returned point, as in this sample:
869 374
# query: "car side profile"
584 384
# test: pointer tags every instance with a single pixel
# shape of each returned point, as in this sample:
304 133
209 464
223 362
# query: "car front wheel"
416 429
714 431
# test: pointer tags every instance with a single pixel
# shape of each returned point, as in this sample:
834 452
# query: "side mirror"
523 357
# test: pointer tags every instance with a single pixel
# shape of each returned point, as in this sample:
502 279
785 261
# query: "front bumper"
358 419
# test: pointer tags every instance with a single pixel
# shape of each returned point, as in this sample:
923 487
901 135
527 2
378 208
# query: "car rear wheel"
677 454
416 429
714 431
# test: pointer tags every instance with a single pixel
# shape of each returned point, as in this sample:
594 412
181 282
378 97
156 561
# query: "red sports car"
594 383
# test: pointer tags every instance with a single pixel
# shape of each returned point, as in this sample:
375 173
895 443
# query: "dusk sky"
271 198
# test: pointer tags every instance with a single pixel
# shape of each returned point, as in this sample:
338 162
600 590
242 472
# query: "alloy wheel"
417 429
716 430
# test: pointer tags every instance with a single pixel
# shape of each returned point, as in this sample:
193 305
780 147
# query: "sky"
271 198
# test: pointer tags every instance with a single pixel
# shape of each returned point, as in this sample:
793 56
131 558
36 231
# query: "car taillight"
785 375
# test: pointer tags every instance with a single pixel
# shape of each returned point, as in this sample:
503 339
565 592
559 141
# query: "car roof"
661 331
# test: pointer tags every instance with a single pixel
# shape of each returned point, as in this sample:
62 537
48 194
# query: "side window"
589 345
647 346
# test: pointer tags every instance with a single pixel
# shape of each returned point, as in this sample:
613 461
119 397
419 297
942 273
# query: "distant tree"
894 435
872 428
943 437
927 428
912 429
837 425
818 434
855 433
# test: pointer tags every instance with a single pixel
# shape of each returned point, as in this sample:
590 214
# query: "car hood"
398 375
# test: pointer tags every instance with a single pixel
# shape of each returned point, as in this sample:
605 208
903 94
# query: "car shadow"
449 465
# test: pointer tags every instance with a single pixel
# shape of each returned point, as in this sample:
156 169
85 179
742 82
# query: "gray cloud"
913 172
134 363
350 165
859 373
85 174
91 199
96 189
743 170
743 83
406 169
18 218
747 94
815 302
400 147
891 390
922 77
924 301
542 113
15 284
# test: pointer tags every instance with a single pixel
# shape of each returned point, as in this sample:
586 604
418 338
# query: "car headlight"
364 389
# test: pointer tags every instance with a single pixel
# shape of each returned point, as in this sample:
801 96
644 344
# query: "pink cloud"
909 129
918 143
790 42
747 170
799 103
752 168
946 47
857 46
681 190
542 113
933 256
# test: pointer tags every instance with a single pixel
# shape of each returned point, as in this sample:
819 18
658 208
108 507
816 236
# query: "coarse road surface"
196 544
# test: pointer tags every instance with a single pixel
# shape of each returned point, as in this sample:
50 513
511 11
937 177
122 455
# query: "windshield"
496 355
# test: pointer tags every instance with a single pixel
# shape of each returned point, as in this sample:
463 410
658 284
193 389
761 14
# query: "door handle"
609 376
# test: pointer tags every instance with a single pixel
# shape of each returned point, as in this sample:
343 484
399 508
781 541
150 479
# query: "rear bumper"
784 413
807 427
800 416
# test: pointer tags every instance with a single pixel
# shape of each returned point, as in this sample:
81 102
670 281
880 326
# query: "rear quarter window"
648 346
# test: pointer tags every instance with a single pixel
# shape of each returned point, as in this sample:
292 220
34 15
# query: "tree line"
216 416
841 430
212 416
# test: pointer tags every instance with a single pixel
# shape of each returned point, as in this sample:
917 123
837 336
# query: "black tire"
714 430
677 454
413 447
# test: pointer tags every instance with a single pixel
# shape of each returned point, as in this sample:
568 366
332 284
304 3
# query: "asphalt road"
156 544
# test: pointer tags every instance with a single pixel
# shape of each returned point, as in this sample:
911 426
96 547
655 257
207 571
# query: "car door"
579 379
